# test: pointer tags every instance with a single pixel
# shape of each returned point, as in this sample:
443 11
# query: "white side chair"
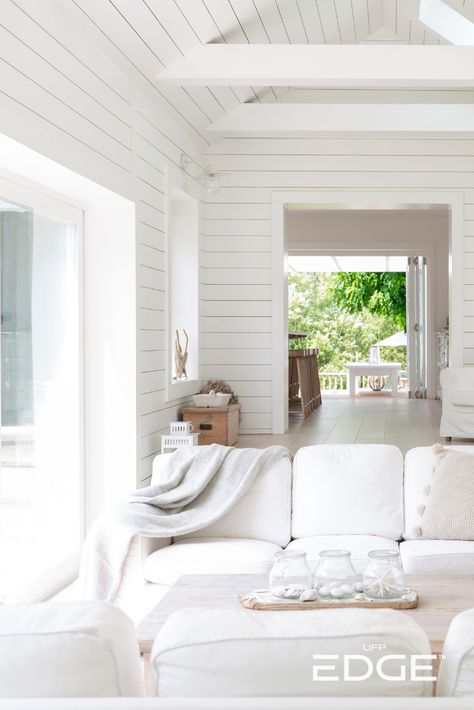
68 650
238 653
457 393
456 672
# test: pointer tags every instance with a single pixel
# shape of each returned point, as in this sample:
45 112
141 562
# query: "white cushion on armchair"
68 649
353 489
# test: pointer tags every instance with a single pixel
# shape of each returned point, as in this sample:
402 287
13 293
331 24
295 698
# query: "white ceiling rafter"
441 18
357 66
143 36
250 120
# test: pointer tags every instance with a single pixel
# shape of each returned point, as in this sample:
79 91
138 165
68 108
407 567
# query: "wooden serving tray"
264 601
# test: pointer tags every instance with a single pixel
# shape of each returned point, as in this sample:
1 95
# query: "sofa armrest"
133 580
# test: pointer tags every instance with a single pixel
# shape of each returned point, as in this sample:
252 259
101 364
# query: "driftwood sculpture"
180 356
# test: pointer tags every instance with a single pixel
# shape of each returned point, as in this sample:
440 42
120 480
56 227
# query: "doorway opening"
352 311
426 229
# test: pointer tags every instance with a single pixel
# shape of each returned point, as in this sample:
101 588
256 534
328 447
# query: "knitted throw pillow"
449 511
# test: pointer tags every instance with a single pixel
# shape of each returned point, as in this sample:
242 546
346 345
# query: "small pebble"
359 586
309 595
347 588
337 592
324 590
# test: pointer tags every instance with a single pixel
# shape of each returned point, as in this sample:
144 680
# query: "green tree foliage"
341 336
382 294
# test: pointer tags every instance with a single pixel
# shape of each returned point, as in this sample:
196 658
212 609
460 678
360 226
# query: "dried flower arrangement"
220 386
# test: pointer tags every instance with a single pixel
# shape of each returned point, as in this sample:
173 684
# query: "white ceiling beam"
254 120
446 22
354 66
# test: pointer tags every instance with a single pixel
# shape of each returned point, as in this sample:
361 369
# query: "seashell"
347 588
360 597
309 595
324 590
337 592
292 594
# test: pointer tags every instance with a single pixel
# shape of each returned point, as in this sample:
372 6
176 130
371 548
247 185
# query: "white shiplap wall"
237 241
80 109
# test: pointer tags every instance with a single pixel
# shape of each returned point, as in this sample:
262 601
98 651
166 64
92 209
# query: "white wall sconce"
207 177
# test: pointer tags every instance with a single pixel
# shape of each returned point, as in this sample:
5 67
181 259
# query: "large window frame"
41 200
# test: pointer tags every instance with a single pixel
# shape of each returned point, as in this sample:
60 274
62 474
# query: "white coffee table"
356 369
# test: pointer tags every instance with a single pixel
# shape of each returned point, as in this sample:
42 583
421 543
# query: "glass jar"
335 575
290 574
384 577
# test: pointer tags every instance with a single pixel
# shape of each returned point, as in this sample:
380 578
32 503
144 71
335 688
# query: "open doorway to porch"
343 259
352 311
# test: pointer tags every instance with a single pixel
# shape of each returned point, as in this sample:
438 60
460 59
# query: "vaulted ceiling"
147 36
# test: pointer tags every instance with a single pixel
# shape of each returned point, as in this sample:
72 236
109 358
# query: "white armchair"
456 672
457 386
68 650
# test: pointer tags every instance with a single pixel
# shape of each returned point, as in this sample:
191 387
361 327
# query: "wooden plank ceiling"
145 36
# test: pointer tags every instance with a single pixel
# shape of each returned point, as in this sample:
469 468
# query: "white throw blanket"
198 486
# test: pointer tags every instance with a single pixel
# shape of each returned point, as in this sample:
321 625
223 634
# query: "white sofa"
456 673
357 497
68 649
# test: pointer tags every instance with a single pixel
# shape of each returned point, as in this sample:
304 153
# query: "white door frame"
345 198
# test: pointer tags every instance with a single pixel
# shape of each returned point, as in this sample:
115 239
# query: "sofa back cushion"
419 467
74 649
263 513
207 653
353 489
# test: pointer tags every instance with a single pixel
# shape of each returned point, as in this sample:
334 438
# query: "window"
41 478
183 291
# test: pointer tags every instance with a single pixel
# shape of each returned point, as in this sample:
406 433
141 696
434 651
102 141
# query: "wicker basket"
213 399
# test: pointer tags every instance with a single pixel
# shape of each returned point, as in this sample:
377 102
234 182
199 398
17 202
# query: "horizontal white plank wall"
86 113
238 242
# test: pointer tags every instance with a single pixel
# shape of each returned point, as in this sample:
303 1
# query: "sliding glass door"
41 461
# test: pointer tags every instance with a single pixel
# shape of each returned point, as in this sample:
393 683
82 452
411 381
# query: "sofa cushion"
209 555
225 652
437 557
74 649
348 490
449 512
358 545
263 513
419 467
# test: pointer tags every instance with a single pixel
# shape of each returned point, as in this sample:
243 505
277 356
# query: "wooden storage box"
216 425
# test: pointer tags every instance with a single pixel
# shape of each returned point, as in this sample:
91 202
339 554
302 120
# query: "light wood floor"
360 420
